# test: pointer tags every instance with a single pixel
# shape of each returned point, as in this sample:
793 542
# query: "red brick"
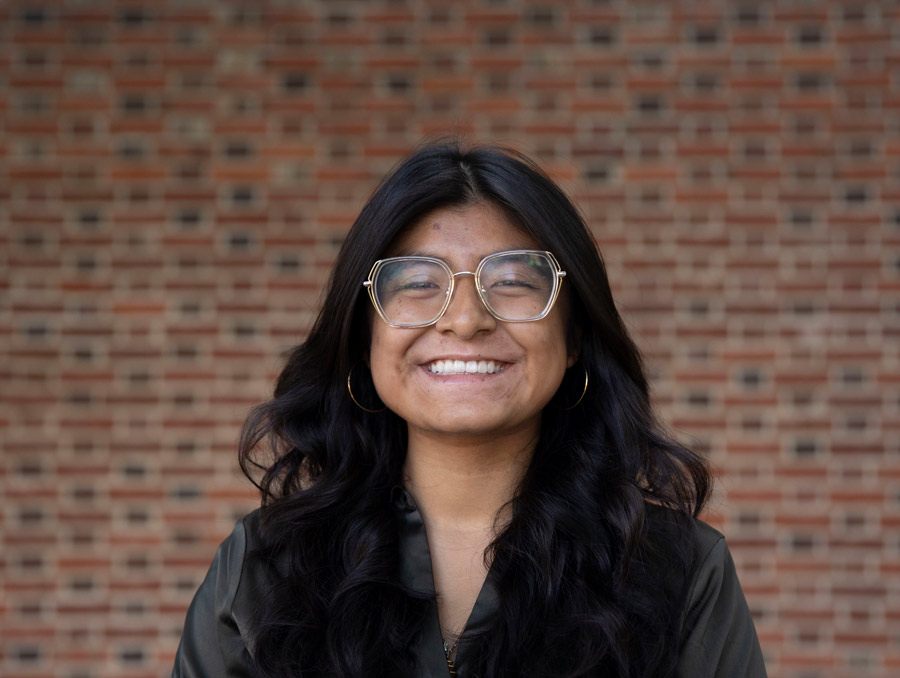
720 234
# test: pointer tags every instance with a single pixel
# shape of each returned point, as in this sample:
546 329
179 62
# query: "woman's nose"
466 315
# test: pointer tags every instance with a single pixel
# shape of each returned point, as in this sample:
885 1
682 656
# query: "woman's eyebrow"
434 255
420 253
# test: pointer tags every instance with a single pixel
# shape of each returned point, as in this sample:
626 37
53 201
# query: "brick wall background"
176 177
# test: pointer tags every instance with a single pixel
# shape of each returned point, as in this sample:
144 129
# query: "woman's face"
529 358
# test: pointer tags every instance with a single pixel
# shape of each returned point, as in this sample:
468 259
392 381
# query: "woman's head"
468 373
446 176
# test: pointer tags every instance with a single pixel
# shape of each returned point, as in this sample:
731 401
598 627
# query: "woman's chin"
474 424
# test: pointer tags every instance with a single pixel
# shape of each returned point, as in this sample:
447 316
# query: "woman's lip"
464 358
455 366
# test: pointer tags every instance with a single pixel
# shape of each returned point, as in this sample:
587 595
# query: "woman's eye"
513 282
417 285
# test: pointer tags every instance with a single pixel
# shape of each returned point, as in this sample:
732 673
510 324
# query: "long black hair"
588 583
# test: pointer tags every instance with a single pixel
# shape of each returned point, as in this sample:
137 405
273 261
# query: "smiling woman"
460 469
530 356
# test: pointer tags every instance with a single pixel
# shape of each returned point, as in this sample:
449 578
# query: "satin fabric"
720 639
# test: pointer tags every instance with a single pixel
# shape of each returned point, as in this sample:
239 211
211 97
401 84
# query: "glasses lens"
411 291
518 285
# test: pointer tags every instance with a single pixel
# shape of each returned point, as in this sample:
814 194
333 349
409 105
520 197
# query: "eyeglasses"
514 286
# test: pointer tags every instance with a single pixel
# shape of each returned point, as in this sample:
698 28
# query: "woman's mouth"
465 367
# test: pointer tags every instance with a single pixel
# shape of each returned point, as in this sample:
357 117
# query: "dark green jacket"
720 641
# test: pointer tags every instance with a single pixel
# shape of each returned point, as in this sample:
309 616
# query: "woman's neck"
464 482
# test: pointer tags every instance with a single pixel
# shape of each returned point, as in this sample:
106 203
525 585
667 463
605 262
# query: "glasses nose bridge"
453 291
474 279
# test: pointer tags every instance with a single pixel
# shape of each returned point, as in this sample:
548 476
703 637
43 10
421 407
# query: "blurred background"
176 177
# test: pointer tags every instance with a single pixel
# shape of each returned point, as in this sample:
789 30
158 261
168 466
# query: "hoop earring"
581 397
353 398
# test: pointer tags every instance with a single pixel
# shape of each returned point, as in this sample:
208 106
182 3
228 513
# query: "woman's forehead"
469 232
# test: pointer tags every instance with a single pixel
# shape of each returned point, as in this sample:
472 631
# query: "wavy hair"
588 585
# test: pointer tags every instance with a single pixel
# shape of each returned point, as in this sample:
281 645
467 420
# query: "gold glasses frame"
369 284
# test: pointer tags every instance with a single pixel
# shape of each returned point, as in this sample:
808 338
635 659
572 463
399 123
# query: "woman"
460 470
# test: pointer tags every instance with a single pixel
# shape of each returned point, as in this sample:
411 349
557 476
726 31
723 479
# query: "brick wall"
176 177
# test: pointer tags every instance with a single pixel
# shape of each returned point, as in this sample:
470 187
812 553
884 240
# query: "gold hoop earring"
353 398
581 397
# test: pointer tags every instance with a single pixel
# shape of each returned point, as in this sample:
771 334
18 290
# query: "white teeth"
464 367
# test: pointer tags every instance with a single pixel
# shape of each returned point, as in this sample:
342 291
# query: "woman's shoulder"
216 634
666 515
248 525
237 575
719 639
243 538
668 524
